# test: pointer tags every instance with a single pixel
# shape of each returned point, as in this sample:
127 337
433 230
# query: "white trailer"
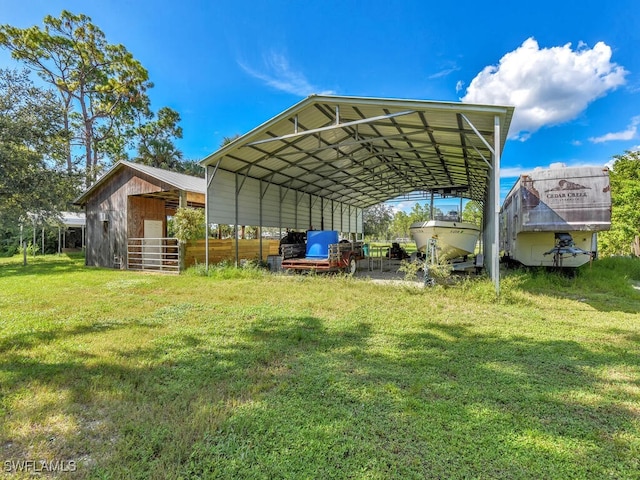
551 216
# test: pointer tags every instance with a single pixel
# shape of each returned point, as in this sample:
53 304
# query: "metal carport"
356 152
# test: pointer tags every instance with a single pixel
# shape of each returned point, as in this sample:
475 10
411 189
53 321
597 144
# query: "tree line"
78 105
383 222
624 236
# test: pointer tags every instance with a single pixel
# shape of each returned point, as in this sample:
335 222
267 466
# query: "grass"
246 375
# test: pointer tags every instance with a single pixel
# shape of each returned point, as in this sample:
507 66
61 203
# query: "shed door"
152 247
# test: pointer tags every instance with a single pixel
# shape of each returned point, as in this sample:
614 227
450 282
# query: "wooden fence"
221 250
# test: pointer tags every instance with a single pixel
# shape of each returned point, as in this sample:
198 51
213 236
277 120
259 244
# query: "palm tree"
193 168
160 153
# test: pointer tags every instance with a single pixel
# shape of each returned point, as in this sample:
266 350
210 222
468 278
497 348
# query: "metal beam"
479 153
331 127
480 136
210 177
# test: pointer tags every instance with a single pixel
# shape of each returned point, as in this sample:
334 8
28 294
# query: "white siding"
221 198
328 225
302 211
248 201
270 205
345 218
280 207
316 212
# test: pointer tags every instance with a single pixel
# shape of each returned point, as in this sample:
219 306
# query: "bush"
9 251
31 249
411 269
188 224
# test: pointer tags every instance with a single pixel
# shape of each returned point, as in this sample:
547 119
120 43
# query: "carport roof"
364 151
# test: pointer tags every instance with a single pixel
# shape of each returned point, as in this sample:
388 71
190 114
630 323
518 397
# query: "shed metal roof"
73 219
180 181
364 151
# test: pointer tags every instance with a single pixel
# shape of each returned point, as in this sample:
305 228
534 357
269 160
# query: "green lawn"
129 375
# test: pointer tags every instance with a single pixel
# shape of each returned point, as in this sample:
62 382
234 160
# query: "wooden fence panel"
221 250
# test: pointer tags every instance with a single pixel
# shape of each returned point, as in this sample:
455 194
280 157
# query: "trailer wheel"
352 265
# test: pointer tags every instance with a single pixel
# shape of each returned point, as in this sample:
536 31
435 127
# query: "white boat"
453 238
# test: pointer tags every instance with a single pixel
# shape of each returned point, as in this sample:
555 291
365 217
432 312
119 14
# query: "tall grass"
248 375
607 283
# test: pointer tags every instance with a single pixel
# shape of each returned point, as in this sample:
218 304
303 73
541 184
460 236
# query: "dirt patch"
387 275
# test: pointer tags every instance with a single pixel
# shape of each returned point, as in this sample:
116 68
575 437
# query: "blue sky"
571 69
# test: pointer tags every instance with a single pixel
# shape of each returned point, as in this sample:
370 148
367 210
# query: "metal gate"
153 254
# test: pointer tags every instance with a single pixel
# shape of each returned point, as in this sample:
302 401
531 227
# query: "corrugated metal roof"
180 181
363 151
73 219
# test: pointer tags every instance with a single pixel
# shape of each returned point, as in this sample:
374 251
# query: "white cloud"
459 86
628 134
448 70
401 206
278 74
515 172
547 86
511 172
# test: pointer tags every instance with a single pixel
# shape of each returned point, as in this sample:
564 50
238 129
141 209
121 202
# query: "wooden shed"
126 215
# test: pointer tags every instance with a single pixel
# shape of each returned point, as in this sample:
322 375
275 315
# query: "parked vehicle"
551 216
322 252
454 237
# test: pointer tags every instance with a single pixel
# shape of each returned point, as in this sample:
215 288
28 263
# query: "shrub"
188 224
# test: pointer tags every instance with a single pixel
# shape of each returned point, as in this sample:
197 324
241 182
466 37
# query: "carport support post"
182 247
235 229
260 228
333 224
208 179
295 214
495 257
280 211
206 218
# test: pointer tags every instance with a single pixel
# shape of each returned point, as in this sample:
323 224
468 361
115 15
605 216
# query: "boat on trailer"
453 238
445 237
